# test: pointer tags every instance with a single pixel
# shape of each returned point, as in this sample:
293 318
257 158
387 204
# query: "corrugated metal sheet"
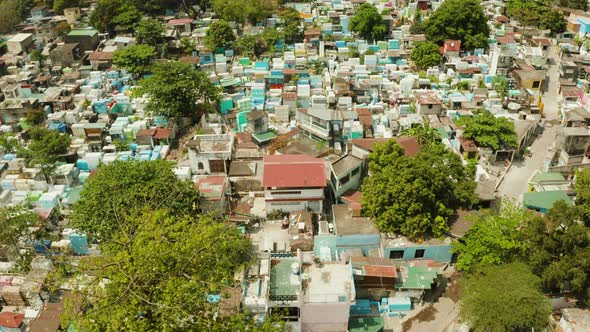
293 171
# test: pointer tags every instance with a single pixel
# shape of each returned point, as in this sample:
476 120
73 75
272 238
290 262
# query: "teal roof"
548 176
280 278
545 199
264 137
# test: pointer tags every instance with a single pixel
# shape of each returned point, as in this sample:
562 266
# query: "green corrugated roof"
370 324
548 176
264 137
83 32
418 277
280 278
545 199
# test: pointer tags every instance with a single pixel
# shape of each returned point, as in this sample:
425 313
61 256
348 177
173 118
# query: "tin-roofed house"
293 182
212 192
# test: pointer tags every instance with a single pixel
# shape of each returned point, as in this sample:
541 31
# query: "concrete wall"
325 316
439 253
294 205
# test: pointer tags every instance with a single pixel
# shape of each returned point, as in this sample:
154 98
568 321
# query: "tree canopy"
17 227
368 23
175 89
504 298
219 34
291 24
126 189
424 133
150 32
10 15
582 187
458 19
537 14
490 131
110 14
426 54
241 11
45 148
415 196
159 276
493 238
554 21
136 59
60 5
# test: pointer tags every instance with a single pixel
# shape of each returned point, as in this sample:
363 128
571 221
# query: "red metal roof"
162 133
293 171
380 271
11 319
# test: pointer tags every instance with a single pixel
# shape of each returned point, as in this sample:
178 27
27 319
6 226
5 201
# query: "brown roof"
190 60
379 271
505 40
428 98
408 143
468 145
101 56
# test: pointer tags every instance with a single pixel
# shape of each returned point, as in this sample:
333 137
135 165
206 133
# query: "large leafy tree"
493 238
157 277
219 34
135 59
150 32
582 187
18 225
504 298
424 133
415 196
291 24
110 14
60 5
175 89
426 55
559 250
9 15
458 19
554 21
490 131
123 189
45 148
241 11
368 23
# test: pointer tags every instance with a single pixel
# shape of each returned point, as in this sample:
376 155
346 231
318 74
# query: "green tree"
492 239
425 134
490 131
159 277
458 19
136 59
9 15
559 250
45 148
426 55
219 34
60 5
500 85
291 24
35 116
18 224
554 21
417 26
8 142
415 196
175 89
37 56
368 23
582 188
527 12
139 185
62 29
194 8
110 14
150 32
241 11
188 45
504 298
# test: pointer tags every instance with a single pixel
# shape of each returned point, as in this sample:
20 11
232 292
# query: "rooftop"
212 143
345 164
346 224
283 282
212 187
408 143
330 283
83 32
293 171
545 199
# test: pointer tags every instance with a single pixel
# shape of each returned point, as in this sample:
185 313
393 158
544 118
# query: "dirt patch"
454 289
425 315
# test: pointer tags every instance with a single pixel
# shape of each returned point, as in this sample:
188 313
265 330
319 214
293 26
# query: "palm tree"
424 133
